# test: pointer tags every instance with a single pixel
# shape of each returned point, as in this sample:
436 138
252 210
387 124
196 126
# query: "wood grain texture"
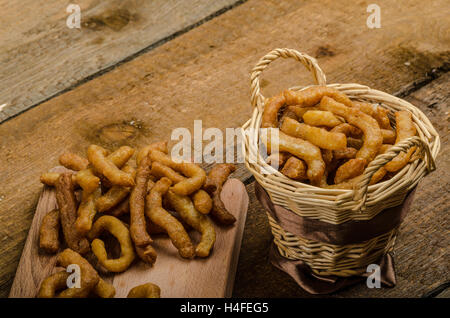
421 253
204 74
41 56
177 277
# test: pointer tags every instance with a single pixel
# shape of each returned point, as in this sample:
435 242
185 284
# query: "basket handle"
309 62
403 146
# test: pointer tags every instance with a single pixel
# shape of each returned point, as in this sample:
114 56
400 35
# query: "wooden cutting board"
177 277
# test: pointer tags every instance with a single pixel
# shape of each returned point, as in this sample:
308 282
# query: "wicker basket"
332 205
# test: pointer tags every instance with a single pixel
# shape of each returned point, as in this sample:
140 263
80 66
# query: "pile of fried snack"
108 193
328 140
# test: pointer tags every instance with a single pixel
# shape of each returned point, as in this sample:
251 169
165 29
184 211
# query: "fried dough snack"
52 284
313 95
202 200
354 142
288 112
89 277
196 175
68 214
87 211
379 113
379 175
349 170
122 234
369 126
120 209
105 166
388 136
115 194
50 178
302 149
300 111
347 153
138 228
294 169
271 108
348 130
405 129
73 162
49 232
164 219
317 136
148 290
213 185
184 206
278 159
321 118
160 146
104 289
87 180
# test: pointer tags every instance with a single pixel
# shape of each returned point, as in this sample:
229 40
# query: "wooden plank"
204 74
177 277
41 56
421 251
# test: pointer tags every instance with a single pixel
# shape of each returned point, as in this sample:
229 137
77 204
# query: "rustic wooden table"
137 69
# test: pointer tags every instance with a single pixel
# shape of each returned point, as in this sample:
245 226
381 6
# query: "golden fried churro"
348 130
311 96
321 118
347 153
271 108
202 200
104 289
317 136
379 113
388 136
278 159
49 232
300 148
50 178
97 157
68 214
380 173
87 211
88 275
148 290
115 194
138 228
122 234
121 156
184 206
294 169
73 162
288 112
161 170
87 180
164 219
213 185
405 129
160 146
369 126
52 284
196 175
349 170
120 209
354 143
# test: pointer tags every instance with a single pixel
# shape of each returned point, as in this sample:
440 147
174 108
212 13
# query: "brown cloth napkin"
342 234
